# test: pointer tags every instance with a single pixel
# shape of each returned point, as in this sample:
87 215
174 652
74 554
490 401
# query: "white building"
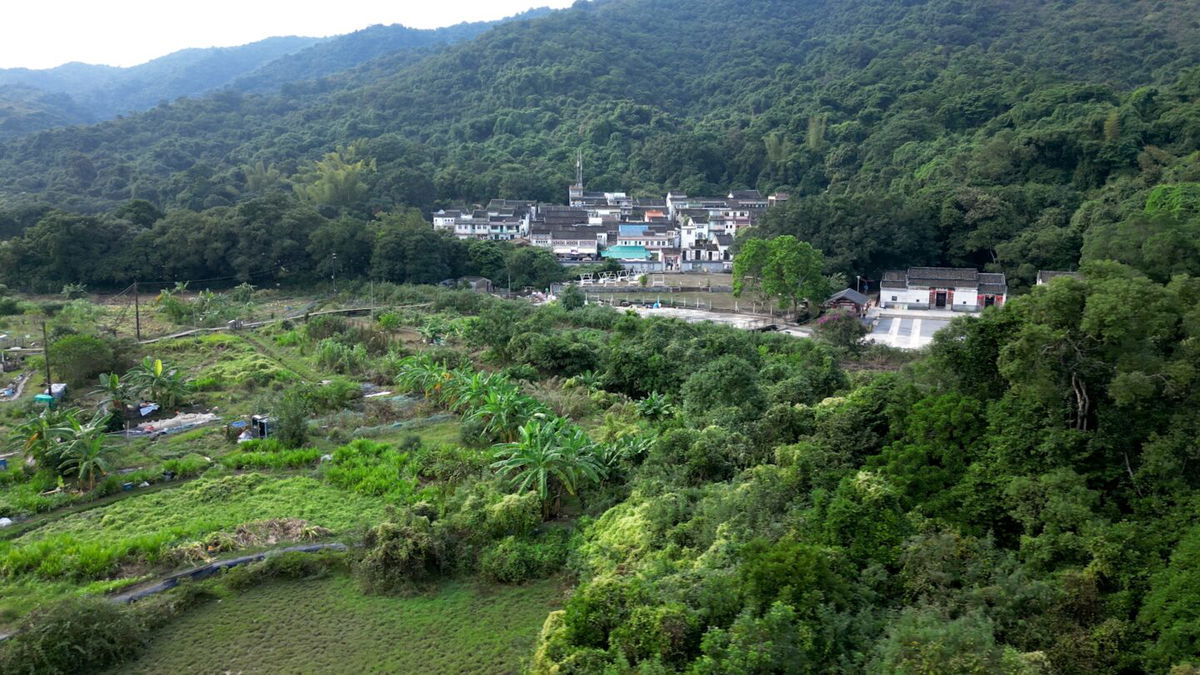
946 288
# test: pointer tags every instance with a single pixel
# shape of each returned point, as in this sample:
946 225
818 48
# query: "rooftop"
626 253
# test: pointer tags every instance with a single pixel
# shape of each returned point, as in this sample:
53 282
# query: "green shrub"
598 607
186 466
512 560
514 515
669 633
289 338
338 357
374 469
10 306
72 636
402 557
78 359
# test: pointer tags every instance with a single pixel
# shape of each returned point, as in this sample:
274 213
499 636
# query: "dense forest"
944 131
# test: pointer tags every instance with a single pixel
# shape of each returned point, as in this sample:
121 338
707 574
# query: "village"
659 243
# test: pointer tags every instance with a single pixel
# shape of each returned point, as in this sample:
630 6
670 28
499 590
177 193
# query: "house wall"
958 299
905 298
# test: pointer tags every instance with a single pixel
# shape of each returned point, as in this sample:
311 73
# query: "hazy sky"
47 33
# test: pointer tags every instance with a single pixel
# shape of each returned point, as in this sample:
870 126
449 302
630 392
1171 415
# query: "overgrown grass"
328 625
93 544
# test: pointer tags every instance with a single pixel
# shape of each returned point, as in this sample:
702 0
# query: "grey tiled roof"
894 279
849 294
992 283
1044 276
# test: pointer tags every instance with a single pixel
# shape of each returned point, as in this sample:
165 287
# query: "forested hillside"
944 131
78 93
97 93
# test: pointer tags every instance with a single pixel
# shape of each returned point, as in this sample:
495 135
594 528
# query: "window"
893 298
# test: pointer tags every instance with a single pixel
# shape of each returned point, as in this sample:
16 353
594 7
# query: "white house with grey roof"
946 288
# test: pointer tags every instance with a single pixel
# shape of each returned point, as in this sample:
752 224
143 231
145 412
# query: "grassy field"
329 626
118 539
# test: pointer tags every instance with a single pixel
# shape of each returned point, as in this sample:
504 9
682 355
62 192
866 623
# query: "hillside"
956 132
76 93
104 92
347 51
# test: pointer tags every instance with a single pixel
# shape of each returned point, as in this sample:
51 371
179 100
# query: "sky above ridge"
47 33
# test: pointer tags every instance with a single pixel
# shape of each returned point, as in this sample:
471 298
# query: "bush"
572 298
188 465
670 633
512 560
72 636
335 356
291 418
78 359
841 329
10 306
514 515
402 557
374 469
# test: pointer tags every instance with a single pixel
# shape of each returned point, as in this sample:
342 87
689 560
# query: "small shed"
477 284
848 299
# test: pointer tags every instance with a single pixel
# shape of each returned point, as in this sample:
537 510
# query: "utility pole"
46 358
333 273
137 312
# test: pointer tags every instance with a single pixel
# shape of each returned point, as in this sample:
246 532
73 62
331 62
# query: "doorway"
940 299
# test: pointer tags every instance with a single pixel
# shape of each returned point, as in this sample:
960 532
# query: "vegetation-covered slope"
106 91
935 131
77 93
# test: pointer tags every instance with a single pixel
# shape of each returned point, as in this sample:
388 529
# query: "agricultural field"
328 625
366 434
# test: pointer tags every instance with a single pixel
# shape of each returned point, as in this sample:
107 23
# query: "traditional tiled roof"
917 276
992 283
1045 276
894 279
848 294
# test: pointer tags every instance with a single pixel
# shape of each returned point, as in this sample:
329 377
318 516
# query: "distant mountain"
347 51
103 92
80 93
24 110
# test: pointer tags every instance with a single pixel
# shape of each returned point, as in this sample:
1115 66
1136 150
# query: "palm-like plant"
434 330
503 411
165 387
87 454
656 406
114 393
43 437
549 457
421 374
589 379
615 455
470 390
